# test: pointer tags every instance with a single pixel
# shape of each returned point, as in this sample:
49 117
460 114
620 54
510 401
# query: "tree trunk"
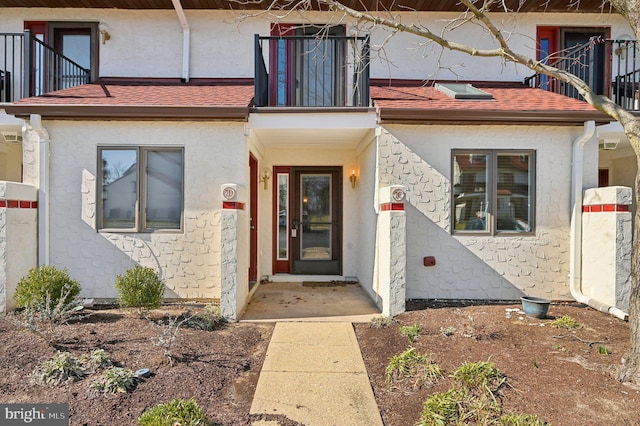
630 369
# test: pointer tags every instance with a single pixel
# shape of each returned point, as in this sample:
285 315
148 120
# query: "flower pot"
535 307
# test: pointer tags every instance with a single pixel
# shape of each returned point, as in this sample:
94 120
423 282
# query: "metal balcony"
610 67
311 71
29 67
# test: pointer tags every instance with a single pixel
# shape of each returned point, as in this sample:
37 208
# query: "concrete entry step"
314 374
310 301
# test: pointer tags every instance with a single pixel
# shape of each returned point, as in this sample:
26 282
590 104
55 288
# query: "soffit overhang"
555 6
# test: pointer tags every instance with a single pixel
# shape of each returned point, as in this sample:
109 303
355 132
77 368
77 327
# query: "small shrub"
139 287
169 334
114 380
46 285
411 331
443 408
448 331
95 360
382 322
478 376
412 365
176 412
45 318
59 369
603 350
566 322
521 420
210 319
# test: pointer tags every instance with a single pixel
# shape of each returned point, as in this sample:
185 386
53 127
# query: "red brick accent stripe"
232 205
391 206
598 208
18 204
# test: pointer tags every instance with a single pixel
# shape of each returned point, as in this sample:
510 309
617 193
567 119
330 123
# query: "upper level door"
307 67
76 41
564 47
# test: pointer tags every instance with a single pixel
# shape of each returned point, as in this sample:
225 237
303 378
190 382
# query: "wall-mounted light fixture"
353 178
105 36
264 176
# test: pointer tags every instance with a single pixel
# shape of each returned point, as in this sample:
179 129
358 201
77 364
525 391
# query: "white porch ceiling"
311 130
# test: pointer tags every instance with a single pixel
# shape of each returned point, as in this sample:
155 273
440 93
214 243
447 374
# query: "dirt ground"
556 374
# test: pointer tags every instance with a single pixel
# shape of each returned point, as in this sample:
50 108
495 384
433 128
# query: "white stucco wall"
18 239
623 165
367 223
188 261
148 43
480 267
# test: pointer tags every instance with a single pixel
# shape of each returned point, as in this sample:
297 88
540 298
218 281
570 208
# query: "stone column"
234 274
392 250
607 245
18 237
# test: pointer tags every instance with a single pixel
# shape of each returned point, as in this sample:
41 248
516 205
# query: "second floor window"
141 188
493 191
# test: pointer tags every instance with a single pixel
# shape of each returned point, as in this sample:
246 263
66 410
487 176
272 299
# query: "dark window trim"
491 187
141 190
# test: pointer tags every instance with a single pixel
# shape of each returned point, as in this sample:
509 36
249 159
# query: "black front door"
316 221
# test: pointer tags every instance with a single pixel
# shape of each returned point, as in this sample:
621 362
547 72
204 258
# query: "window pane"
470 177
163 189
283 219
513 209
119 188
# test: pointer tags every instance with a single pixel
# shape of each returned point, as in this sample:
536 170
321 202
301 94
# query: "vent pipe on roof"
186 47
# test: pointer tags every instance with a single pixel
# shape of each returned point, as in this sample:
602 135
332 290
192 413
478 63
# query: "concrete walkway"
313 373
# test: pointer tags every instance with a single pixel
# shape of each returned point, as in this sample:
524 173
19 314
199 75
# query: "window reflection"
493 190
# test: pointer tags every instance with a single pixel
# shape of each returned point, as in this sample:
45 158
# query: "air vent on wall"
12 137
608 144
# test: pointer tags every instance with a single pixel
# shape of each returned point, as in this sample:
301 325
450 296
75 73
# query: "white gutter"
186 47
575 265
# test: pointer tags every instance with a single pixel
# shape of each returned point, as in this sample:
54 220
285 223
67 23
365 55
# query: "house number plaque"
397 195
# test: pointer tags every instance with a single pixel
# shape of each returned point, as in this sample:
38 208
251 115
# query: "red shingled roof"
403 101
504 99
512 102
151 94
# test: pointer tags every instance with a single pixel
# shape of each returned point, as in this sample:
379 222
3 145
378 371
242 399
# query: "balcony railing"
610 67
29 67
312 71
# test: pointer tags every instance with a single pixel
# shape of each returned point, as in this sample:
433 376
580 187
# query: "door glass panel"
77 47
315 217
283 216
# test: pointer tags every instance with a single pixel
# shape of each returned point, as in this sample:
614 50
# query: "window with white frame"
493 191
140 189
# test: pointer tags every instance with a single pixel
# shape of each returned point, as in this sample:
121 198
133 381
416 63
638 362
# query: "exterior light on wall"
105 35
264 177
353 178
